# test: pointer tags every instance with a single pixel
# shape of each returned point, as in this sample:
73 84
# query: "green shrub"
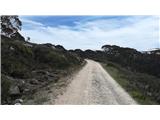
5 86
139 85
22 49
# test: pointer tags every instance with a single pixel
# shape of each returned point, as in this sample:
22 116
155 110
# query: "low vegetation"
142 87
27 67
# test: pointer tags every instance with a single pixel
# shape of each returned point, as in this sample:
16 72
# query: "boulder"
17 104
14 90
18 101
11 48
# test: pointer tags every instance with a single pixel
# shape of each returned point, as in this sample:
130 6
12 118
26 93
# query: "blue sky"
92 32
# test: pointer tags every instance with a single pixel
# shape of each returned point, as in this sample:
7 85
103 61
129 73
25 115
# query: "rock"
47 73
23 82
26 90
47 88
40 72
149 93
18 101
14 90
50 74
146 86
21 85
28 45
49 91
17 104
11 48
33 81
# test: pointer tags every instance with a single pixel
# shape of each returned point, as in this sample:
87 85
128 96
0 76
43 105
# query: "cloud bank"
139 32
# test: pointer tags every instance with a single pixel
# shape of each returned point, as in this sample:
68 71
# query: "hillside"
137 72
26 67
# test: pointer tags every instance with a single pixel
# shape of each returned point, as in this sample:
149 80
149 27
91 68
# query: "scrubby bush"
5 86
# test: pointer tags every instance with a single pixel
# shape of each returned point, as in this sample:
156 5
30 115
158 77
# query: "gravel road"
93 85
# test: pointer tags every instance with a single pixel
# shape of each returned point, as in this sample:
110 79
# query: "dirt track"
93 85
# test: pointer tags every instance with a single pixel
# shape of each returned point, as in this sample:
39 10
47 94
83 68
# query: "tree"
59 47
10 25
28 39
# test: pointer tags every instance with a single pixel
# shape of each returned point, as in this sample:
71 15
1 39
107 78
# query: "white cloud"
31 22
136 32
